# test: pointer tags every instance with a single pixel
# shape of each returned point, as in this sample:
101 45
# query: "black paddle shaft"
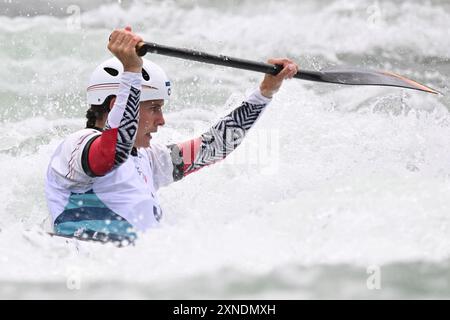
221 60
347 77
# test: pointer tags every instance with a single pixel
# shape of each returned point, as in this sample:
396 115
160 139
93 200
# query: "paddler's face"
150 118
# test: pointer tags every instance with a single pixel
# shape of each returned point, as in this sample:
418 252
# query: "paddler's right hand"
122 43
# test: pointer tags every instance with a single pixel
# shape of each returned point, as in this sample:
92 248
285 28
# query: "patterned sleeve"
220 140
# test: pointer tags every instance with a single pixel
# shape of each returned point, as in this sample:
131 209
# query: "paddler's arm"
222 138
109 150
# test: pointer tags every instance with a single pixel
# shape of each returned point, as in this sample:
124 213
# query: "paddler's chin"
143 140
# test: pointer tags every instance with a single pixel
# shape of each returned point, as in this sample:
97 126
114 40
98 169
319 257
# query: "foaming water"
332 180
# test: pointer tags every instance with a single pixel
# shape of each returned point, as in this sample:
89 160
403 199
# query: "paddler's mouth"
149 134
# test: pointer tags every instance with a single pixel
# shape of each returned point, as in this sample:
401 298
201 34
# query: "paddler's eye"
155 108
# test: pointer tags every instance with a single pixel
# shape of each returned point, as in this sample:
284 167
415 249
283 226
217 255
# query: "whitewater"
337 192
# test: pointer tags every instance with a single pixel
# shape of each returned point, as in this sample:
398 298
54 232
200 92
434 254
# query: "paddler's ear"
111 103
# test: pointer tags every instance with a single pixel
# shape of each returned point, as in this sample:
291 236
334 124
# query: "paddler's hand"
270 85
122 43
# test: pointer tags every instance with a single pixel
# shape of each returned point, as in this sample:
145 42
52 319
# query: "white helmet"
105 81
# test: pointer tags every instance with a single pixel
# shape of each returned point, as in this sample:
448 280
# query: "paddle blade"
368 77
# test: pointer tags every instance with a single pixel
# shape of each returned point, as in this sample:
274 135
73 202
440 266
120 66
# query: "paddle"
345 76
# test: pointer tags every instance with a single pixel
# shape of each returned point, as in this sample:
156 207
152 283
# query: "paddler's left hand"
271 84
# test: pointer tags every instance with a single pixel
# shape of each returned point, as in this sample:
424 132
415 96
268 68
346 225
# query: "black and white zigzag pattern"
226 135
126 134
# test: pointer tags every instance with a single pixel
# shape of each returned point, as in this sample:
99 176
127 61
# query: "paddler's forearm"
220 140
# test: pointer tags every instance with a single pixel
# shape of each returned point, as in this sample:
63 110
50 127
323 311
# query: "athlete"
102 181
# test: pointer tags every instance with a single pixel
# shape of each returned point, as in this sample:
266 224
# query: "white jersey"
129 190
